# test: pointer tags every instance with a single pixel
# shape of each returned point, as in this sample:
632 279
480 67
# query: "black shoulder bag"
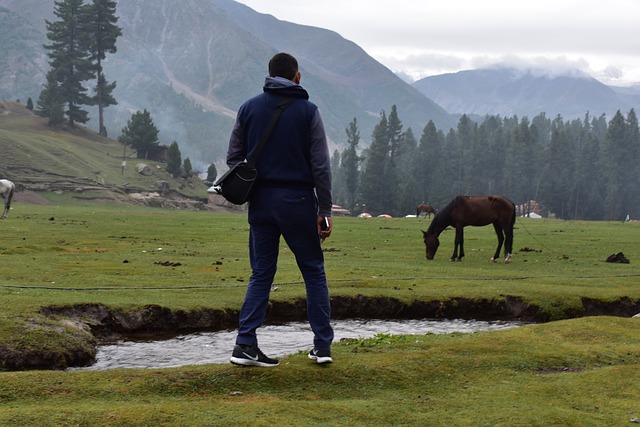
237 183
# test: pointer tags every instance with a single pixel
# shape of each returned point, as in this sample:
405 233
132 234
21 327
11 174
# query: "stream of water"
275 341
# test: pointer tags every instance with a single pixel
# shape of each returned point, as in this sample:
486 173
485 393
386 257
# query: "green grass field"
569 372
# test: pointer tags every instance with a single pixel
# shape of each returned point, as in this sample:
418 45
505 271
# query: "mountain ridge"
508 91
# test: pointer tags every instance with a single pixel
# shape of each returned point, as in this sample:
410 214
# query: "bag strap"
284 103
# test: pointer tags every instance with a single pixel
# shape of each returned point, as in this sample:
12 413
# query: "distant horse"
476 211
426 209
6 191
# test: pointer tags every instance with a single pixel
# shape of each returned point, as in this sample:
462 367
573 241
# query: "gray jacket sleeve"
236 150
321 165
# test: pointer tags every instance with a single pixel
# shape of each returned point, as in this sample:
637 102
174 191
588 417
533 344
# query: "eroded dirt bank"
89 325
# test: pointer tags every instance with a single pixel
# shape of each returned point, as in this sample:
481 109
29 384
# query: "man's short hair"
283 65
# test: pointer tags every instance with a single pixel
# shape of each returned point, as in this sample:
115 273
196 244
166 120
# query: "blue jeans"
292 214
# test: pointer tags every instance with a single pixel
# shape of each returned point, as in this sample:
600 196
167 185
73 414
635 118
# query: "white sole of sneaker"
321 360
247 362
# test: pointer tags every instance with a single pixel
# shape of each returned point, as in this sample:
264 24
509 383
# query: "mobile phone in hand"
325 224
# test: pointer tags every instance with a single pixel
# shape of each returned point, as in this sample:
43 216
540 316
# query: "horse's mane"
443 217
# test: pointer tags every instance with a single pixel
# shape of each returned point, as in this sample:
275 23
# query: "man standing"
291 198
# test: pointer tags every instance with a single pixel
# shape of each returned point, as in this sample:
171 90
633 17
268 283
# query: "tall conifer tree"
375 191
349 164
69 56
103 35
174 159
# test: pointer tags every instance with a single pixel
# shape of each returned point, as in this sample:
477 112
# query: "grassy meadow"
569 372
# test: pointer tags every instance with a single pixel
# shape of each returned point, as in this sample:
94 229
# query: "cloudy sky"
427 37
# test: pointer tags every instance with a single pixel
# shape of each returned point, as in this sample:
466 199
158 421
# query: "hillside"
82 163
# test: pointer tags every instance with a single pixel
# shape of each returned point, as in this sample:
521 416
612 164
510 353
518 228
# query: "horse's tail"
10 197
513 216
509 243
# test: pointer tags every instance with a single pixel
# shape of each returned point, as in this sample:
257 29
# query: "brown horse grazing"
424 208
476 211
6 192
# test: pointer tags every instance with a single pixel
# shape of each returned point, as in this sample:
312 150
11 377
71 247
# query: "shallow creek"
275 341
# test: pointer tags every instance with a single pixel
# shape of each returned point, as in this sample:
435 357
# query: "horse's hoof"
452 260
507 260
492 260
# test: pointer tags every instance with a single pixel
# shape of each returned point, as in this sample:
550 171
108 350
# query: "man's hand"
325 226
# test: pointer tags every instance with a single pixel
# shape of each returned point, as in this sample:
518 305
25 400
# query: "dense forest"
579 169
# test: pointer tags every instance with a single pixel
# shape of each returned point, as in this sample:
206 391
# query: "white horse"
6 191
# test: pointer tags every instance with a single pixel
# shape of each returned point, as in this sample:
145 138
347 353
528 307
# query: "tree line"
577 169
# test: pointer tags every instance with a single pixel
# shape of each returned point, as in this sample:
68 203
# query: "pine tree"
50 103
212 173
556 189
464 154
423 165
69 56
395 135
375 189
491 173
140 133
187 168
521 172
102 39
174 159
591 180
431 167
408 186
43 106
395 138
350 165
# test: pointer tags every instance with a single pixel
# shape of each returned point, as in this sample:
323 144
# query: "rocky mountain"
508 91
192 63
23 63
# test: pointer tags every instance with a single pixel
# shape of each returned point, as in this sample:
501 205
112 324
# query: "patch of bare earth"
30 197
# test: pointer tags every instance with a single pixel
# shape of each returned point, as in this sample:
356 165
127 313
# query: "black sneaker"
320 355
247 355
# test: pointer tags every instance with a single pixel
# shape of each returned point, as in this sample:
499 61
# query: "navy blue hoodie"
296 155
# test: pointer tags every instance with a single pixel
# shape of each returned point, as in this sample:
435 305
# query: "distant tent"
339 210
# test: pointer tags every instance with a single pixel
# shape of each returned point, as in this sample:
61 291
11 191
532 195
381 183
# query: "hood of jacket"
284 87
